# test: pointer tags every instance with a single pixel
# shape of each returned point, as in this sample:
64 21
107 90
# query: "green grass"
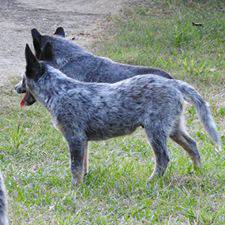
34 156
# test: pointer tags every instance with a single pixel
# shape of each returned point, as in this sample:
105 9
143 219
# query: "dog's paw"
197 164
76 182
77 179
153 179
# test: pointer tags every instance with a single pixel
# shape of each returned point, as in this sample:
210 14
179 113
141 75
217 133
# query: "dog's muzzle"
28 98
19 88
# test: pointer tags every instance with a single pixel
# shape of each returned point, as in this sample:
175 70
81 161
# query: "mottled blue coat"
96 111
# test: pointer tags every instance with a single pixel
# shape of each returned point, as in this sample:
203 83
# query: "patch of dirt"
82 20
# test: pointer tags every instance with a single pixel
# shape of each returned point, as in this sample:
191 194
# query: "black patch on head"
33 68
47 52
36 41
60 31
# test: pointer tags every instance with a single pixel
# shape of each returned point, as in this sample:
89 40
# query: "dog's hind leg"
181 137
158 139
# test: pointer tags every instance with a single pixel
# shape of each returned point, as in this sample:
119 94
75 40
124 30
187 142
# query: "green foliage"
163 35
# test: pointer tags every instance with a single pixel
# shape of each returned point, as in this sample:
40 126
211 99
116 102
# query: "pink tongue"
22 103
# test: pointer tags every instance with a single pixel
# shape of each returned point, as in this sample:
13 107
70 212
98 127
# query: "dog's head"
39 41
41 47
34 70
64 50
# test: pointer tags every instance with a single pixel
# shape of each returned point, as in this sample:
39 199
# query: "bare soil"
82 20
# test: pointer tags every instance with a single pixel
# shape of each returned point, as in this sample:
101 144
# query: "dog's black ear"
47 52
36 41
33 67
60 31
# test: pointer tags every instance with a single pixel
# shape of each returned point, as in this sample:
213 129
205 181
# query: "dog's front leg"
86 160
77 151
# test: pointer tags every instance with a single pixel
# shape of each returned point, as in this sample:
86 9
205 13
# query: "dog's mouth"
23 101
27 100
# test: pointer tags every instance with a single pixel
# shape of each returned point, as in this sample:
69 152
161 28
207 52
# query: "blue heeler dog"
79 64
96 111
3 203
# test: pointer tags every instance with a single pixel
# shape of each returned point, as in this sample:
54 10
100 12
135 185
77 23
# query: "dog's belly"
109 132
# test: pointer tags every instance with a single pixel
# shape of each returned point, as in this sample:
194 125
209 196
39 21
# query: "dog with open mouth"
85 111
79 64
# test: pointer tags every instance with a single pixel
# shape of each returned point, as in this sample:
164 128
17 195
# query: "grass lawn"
34 156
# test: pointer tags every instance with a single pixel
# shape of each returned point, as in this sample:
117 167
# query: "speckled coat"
97 111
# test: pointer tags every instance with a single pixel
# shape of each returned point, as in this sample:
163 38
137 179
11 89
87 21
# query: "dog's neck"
51 85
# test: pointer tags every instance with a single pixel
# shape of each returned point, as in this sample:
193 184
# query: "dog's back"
3 203
82 65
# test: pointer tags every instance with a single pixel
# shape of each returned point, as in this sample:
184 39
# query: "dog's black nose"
19 88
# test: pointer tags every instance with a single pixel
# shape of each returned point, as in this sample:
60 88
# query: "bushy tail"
203 110
3 203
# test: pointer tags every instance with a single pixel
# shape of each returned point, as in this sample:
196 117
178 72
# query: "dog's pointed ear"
36 41
47 52
60 31
33 67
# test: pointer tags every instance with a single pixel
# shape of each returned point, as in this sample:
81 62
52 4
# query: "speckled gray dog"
79 64
96 111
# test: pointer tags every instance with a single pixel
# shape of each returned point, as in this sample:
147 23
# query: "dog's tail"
3 203
203 110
